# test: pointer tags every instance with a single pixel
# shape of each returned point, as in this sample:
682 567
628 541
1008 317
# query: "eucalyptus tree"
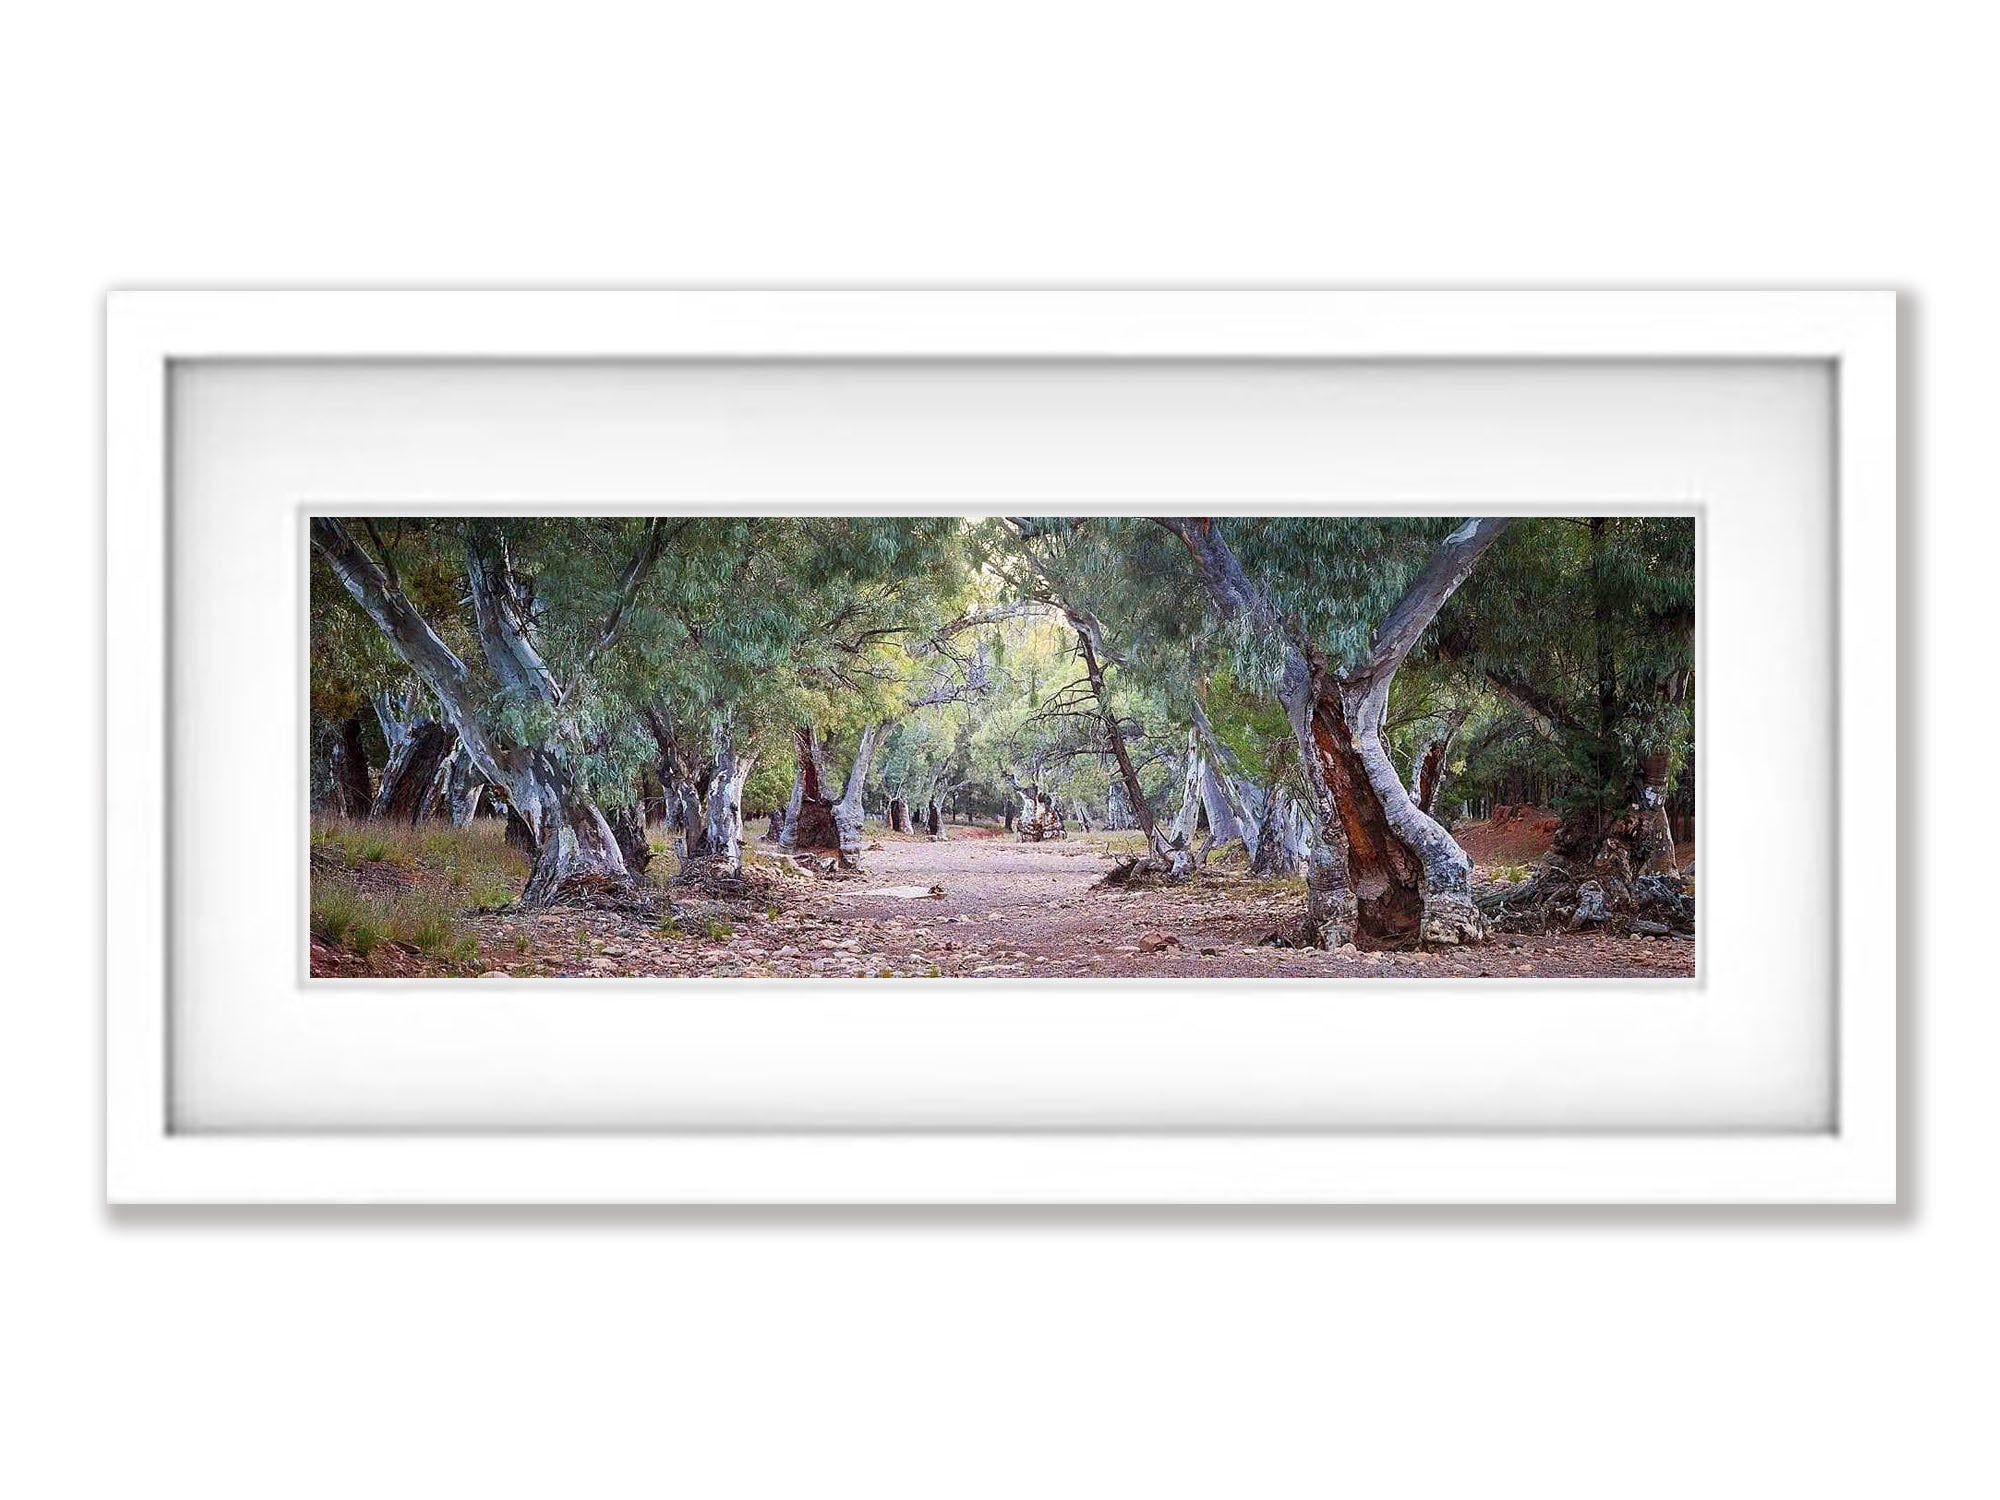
1082 572
421 752
869 596
702 671
362 699
509 660
924 761
1333 606
1585 626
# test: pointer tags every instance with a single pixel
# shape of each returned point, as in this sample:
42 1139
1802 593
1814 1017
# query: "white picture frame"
151 1158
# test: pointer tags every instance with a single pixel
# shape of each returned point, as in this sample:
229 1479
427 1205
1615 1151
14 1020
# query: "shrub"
719 930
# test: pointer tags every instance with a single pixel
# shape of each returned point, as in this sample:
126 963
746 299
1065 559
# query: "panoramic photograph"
1001 747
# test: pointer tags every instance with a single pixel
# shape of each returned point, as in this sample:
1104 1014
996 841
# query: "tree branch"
651 546
1449 564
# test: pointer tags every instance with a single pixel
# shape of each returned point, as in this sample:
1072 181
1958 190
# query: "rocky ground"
981 906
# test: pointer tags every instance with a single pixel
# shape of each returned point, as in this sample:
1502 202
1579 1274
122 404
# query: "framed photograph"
1001 747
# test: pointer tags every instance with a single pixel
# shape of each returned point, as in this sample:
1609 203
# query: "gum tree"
1341 603
1586 627
526 729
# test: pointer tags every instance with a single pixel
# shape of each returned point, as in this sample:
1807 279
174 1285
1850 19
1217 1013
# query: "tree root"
710 875
1604 896
1142 870
590 891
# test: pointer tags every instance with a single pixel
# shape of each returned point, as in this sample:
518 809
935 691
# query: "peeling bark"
815 818
1281 836
809 820
848 812
410 778
1654 846
628 828
465 789
723 823
1383 873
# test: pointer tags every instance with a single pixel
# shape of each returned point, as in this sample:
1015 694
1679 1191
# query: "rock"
1651 929
1158 942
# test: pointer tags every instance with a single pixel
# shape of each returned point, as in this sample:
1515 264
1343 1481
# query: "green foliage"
1586 627
963 639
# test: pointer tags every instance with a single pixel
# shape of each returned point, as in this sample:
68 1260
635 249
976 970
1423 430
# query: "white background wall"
1446 1353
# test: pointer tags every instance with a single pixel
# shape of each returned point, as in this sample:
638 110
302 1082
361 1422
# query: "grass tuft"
336 906
452 871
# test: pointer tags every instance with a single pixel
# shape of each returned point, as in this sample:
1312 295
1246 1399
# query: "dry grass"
1120 843
448 873
475 863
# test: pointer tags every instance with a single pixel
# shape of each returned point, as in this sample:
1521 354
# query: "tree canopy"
1332 691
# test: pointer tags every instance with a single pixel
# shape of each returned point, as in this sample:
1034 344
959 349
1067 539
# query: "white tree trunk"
1382 872
848 812
570 833
725 800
